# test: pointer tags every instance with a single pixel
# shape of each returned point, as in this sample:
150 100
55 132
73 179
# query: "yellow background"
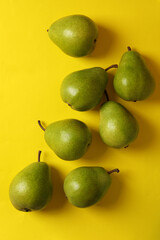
31 71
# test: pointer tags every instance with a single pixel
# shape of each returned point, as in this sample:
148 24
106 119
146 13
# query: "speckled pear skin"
118 127
84 89
84 186
69 138
133 81
31 189
75 35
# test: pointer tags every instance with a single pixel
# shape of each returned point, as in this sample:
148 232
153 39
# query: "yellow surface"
31 71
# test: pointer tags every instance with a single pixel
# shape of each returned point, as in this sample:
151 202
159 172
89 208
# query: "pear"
85 186
75 35
84 89
118 127
69 138
31 189
133 81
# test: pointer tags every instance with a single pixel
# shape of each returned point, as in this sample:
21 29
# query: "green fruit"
118 127
84 186
31 189
69 138
84 89
75 35
133 81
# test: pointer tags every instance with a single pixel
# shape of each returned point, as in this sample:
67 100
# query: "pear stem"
126 146
106 94
129 48
39 155
112 66
40 124
114 170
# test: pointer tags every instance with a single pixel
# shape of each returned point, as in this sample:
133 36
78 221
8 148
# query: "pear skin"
133 81
118 127
75 35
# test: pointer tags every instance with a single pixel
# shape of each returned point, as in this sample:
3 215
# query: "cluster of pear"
83 90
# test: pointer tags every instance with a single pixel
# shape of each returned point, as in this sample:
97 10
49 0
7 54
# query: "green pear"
84 89
31 189
69 138
118 127
133 81
85 186
75 35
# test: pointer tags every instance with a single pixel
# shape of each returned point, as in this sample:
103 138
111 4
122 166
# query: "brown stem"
126 146
114 170
106 94
129 48
47 30
39 155
112 66
40 124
